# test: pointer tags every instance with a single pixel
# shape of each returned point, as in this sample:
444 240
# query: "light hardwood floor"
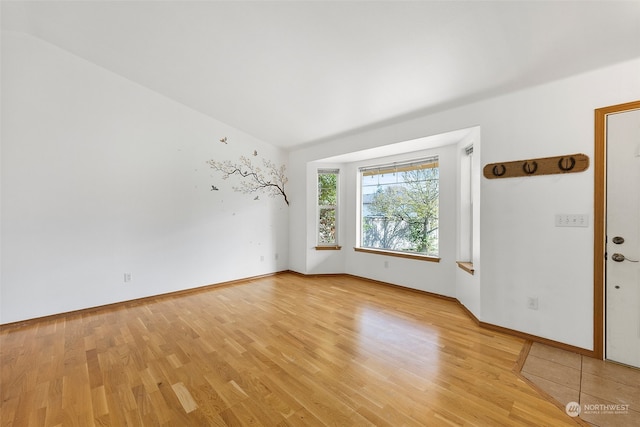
283 350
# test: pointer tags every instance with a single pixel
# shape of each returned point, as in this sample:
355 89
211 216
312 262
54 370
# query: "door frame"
599 221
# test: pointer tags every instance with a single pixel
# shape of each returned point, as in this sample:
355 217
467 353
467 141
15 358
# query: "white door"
623 238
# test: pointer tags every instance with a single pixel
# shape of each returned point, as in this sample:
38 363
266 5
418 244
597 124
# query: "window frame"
466 196
412 164
319 208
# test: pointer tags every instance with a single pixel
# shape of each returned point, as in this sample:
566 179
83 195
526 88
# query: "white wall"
102 177
523 254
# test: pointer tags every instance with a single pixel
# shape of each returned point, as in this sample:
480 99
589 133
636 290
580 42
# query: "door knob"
620 258
617 257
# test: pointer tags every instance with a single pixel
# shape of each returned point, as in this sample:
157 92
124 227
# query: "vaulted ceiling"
293 73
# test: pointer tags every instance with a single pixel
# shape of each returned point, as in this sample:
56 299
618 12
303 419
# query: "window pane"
327 226
327 189
400 209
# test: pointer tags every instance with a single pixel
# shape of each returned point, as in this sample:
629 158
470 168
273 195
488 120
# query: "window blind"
414 164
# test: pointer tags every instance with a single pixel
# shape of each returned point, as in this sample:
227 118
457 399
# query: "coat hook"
499 172
565 165
530 167
568 163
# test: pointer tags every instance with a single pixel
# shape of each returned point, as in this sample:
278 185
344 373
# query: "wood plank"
185 398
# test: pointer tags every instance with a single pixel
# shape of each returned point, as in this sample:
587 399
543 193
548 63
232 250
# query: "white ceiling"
293 73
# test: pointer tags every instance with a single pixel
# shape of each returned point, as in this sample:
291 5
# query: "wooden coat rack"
570 163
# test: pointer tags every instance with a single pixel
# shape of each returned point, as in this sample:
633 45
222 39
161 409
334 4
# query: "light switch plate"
572 220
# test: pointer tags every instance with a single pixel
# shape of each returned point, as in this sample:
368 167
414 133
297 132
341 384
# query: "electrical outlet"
386 264
127 277
532 303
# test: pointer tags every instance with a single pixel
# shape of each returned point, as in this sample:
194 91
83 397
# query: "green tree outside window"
327 207
400 207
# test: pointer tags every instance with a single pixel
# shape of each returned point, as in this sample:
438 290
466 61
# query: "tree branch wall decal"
269 178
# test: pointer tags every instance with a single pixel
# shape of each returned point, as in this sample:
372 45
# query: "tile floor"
608 393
